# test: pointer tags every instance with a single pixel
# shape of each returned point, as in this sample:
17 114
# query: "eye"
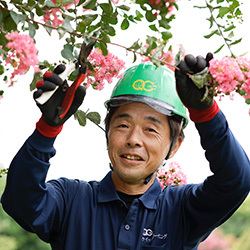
122 126
151 130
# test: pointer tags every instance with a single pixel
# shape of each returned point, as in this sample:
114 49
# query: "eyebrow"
150 118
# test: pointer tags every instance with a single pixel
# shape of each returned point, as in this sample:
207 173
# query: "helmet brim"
155 104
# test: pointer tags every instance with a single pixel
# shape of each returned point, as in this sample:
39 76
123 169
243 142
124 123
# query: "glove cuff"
47 130
204 115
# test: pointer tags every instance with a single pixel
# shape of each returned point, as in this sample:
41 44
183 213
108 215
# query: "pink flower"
157 4
105 69
171 174
216 240
227 74
231 75
22 54
54 14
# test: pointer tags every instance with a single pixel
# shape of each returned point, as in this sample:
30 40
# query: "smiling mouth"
132 157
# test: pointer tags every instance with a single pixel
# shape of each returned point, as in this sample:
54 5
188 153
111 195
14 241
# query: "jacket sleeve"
37 206
211 203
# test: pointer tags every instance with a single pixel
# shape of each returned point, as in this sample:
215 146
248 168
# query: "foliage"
223 20
233 234
13 237
240 220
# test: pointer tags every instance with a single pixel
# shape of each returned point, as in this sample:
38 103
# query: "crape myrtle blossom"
171 174
105 68
158 4
54 15
22 53
230 75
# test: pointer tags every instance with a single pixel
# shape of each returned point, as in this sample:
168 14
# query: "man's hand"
51 108
189 93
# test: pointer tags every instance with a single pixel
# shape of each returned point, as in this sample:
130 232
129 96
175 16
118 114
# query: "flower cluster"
22 53
158 4
171 174
231 75
105 68
54 14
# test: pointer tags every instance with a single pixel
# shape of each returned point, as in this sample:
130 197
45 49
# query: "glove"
50 123
189 93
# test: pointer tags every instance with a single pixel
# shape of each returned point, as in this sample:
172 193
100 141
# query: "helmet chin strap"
149 177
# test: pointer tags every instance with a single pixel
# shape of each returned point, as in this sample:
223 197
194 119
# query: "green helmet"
154 86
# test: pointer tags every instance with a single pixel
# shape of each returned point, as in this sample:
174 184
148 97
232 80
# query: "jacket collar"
107 192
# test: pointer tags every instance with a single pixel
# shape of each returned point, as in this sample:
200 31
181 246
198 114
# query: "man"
128 209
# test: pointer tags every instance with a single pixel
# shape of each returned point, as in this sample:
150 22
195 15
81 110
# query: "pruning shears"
80 63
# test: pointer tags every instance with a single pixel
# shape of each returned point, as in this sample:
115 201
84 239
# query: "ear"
176 147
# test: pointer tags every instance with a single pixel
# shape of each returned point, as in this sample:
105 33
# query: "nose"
134 138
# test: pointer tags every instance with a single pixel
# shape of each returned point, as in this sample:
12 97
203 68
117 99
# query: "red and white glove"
51 124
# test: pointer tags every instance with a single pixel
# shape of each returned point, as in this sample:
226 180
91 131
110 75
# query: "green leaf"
110 19
32 29
135 45
153 27
94 117
107 8
124 24
236 42
223 11
109 29
104 36
88 19
164 23
124 7
37 77
138 16
48 29
81 27
200 78
49 3
17 17
89 4
66 25
219 49
103 47
39 11
1 92
1 69
150 16
61 32
166 35
215 32
67 52
229 28
179 56
135 58
247 101
80 116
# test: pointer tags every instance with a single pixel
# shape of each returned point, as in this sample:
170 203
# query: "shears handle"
70 94
64 75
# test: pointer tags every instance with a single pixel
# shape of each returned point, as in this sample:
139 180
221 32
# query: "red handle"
70 94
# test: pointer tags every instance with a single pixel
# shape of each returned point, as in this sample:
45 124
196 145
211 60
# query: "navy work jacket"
78 215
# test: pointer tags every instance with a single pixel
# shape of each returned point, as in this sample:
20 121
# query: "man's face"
138 142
